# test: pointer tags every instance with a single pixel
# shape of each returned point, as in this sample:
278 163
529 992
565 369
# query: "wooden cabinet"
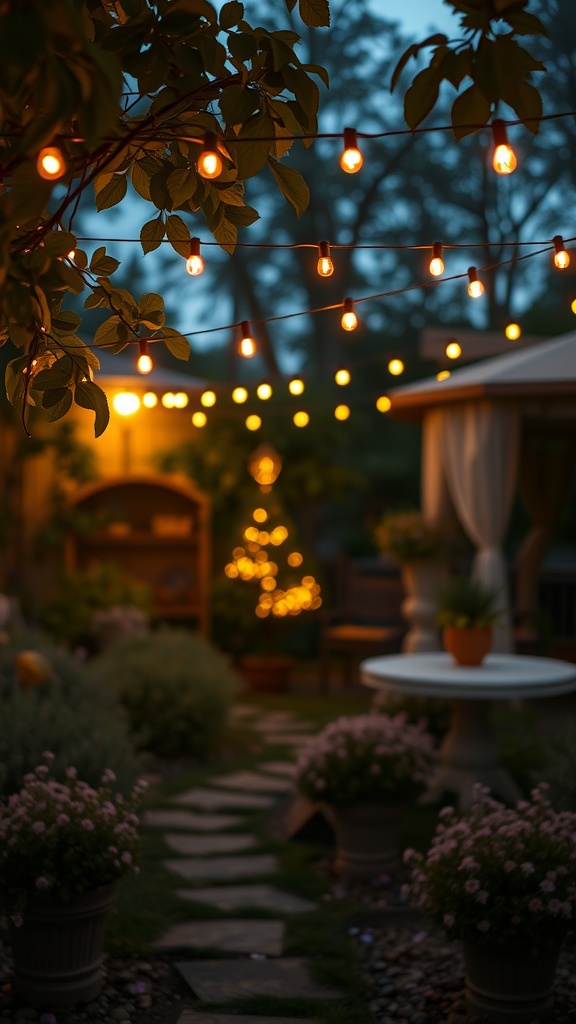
158 531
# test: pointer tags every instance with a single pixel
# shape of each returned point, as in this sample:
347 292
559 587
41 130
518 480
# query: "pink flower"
449 920
527 868
87 824
38 827
126 857
42 882
535 905
481 896
547 885
71 773
472 885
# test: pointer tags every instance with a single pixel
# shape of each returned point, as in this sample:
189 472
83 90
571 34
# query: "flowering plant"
500 873
65 838
366 757
407 537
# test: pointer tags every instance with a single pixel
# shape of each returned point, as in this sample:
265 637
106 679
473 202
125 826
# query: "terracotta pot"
468 645
367 837
57 951
509 984
266 673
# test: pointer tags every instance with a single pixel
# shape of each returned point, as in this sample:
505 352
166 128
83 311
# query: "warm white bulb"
351 160
264 391
50 163
513 331
208 399
144 363
194 265
296 386
396 367
436 266
561 259
325 266
239 395
247 348
126 403
342 377
475 289
504 160
453 350
209 164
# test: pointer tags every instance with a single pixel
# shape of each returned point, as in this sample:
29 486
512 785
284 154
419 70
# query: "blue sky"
416 16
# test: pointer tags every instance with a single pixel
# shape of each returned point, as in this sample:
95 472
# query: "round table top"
499 677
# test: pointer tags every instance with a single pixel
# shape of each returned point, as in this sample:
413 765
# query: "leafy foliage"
465 601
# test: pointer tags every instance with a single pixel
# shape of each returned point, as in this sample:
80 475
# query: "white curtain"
478 443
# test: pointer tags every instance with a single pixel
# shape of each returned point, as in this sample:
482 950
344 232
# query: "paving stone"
193 1017
207 843
190 820
259 896
227 980
234 936
287 768
199 868
212 799
254 782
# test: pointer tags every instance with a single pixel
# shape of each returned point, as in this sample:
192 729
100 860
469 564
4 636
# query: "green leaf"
421 96
242 46
59 243
108 333
112 193
178 235
242 216
58 376
151 234
314 13
176 343
231 14
470 109
526 24
291 184
251 157
79 352
317 69
226 233
237 104
151 310
528 106
140 180
103 265
181 184
89 395
65 321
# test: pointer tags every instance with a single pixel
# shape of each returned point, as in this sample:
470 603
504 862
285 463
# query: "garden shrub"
176 688
68 714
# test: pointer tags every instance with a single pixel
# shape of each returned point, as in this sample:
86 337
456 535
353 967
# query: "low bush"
176 688
49 703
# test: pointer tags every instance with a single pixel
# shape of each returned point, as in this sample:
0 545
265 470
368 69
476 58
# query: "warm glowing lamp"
168 400
296 386
351 159
453 350
209 163
239 395
504 158
573 305
512 331
325 265
342 376
208 399
342 412
301 419
253 422
475 286
150 400
349 319
395 367
126 403
436 264
199 419
264 390
144 363
180 400
195 262
383 404
443 375
561 257
246 345
50 163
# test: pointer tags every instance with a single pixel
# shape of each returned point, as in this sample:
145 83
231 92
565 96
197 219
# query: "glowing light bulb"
239 395
573 305
301 419
195 262
383 404
453 350
351 159
253 422
513 332
168 400
264 391
504 159
260 515
246 345
349 319
208 399
475 286
342 412
395 367
443 375
209 163
180 400
71 254
50 163
150 400
561 257
436 265
126 403
296 386
342 376
144 363
294 559
199 419
325 265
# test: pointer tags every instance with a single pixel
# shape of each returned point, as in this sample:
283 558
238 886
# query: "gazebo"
489 428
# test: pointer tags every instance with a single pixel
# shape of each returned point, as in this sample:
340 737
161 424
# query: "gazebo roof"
545 369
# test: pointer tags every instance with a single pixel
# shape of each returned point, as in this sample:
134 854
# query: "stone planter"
421 581
509 984
468 645
57 951
367 837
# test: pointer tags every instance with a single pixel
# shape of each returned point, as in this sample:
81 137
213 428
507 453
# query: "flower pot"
468 645
267 672
57 951
509 984
367 837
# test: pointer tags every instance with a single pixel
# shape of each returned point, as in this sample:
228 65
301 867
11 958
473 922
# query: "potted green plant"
406 537
503 881
466 613
63 845
363 769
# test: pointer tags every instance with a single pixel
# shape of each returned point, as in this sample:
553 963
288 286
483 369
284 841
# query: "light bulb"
126 403
573 305
208 399
383 404
144 363
180 400
561 257
199 419
50 163
504 158
351 159
395 367
475 286
150 400
264 390
194 263
453 350
253 422
239 395
71 254
342 376
296 386
168 400
301 419
349 319
342 412
209 163
325 265
246 345
436 264
443 375
513 332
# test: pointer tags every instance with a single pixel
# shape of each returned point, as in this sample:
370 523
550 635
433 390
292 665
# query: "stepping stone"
203 844
287 768
252 781
192 1017
260 896
212 799
189 820
197 869
223 981
235 936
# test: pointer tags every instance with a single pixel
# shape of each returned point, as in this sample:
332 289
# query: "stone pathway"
251 962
